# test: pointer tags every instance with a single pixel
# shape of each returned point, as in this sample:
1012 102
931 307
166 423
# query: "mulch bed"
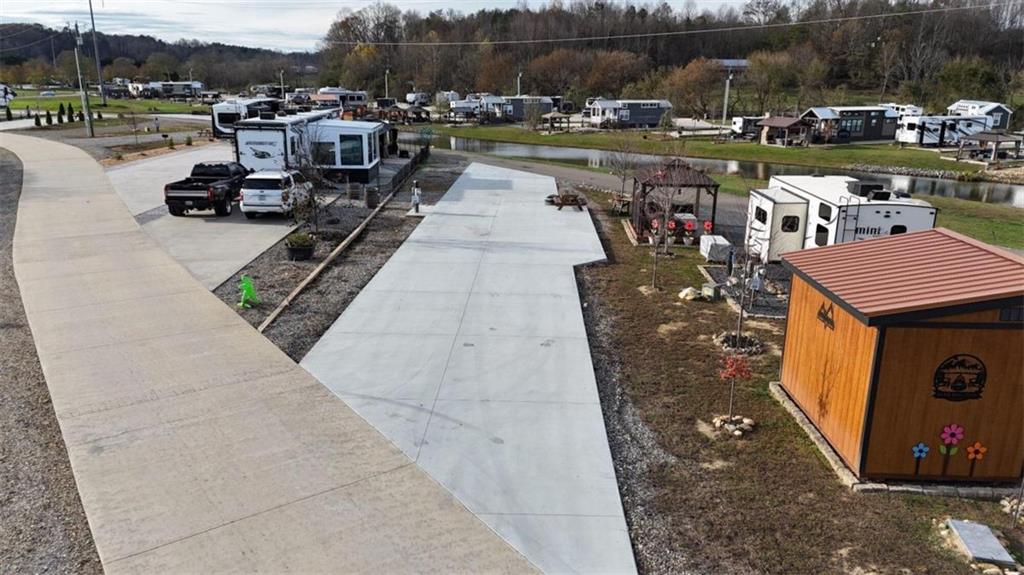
42 525
302 324
696 502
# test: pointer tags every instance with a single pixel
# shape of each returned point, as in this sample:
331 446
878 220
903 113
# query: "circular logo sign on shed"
959 378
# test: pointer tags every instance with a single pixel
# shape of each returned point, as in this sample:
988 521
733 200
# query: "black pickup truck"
212 185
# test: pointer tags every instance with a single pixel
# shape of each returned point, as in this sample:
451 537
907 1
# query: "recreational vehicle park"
589 309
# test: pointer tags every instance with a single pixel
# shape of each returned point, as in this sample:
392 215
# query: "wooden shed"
906 353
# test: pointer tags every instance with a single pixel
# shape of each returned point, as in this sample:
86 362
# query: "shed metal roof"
780 122
895 275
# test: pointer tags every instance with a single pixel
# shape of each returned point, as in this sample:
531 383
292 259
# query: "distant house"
841 124
627 113
516 107
999 114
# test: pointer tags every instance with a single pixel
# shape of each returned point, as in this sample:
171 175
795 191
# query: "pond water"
989 192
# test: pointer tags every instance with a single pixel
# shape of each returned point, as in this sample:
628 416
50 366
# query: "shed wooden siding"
906 414
826 371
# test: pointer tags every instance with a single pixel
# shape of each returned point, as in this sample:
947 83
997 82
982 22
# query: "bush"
71 111
99 115
60 117
188 140
170 143
60 110
300 240
38 123
81 117
49 118
7 114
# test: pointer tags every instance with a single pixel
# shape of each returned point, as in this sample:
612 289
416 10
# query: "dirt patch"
42 524
123 155
778 508
308 317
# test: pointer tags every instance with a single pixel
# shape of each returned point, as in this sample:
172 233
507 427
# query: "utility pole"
81 85
96 52
519 83
387 72
725 105
280 74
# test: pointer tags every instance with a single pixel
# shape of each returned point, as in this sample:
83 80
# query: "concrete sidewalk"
198 446
468 350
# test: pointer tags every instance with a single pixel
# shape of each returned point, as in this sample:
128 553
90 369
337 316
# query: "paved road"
213 249
468 350
197 446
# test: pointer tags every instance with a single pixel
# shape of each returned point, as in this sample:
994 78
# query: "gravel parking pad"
42 525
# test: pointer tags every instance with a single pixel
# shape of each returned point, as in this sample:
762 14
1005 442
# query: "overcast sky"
275 24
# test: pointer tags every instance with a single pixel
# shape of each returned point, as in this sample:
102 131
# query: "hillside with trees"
930 58
36 54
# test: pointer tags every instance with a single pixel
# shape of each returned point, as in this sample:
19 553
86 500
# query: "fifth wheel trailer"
801 212
939 130
225 114
276 143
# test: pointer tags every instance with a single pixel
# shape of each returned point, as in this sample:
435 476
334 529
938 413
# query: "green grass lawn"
991 223
644 142
41 104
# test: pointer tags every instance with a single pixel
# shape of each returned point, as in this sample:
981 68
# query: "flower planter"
298 254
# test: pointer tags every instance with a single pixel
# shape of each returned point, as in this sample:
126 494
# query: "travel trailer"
417 98
179 90
340 97
904 109
745 126
276 142
800 212
348 149
939 130
225 114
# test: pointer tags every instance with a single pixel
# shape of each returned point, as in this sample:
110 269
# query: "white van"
273 192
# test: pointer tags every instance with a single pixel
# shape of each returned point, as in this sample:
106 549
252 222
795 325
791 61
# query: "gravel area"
42 525
636 453
302 324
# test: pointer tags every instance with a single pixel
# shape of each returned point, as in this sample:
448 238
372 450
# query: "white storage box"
714 248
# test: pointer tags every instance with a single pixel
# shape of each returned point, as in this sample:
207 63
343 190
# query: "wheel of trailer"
223 208
176 211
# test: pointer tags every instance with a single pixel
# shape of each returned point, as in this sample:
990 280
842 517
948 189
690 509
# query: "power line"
23 46
745 28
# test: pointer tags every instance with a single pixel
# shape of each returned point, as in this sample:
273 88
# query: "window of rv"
790 224
761 215
825 212
351 150
227 119
821 236
323 153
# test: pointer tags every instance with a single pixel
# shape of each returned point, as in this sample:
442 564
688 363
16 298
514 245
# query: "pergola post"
714 210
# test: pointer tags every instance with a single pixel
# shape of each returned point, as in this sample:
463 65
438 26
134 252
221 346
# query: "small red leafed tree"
734 368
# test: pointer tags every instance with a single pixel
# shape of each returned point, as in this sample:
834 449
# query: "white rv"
348 149
904 109
800 212
225 114
279 143
345 98
939 130
745 126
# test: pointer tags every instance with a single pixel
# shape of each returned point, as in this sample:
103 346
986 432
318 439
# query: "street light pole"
725 105
387 72
96 52
85 92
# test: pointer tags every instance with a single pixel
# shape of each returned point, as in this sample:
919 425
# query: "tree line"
924 58
43 60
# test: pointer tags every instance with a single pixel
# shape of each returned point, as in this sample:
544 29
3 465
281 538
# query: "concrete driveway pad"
468 350
197 445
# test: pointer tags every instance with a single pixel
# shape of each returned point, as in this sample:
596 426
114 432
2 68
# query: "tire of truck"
223 207
176 211
249 215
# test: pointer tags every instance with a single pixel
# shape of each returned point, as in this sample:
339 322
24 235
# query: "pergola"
555 116
993 140
674 180
417 114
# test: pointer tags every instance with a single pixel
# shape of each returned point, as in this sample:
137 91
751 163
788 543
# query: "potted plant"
300 246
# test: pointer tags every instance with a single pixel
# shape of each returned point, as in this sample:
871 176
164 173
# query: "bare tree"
312 168
622 160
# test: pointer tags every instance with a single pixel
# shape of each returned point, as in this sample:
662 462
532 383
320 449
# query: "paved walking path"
468 350
197 446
